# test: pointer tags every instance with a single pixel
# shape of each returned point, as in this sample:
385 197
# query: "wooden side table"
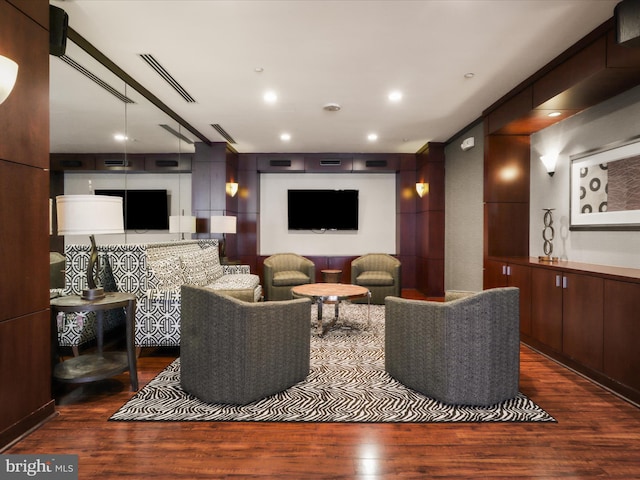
100 365
331 276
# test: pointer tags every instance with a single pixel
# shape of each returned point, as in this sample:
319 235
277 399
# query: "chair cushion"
166 274
194 269
374 278
235 282
289 277
211 261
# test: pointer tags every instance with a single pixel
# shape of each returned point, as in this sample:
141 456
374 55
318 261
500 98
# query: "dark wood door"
546 307
582 313
621 332
520 276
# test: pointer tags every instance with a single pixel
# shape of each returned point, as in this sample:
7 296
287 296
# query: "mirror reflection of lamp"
90 215
223 224
182 224
8 75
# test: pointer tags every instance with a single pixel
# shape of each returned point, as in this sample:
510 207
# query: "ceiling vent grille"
223 133
92 76
174 132
160 70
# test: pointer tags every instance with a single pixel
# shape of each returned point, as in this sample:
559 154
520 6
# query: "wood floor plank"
597 435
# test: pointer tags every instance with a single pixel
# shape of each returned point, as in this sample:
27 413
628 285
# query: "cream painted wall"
178 186
377 215
464 213
614 120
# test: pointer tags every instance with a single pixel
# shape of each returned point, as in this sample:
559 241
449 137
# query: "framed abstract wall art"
605 187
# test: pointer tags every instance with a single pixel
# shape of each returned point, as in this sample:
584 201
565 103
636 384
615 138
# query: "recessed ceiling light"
270 96
555 114
395 96
372 137
332 107
119 137
469 75
285 137
258 69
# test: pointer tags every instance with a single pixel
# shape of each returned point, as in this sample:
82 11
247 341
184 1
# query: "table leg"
131 351
320 330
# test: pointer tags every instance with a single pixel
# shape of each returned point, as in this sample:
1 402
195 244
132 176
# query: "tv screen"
322 209
143 209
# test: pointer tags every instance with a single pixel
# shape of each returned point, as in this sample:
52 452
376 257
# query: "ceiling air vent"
166 76
330 163
280 163
114 163
376 163
223 132
92 76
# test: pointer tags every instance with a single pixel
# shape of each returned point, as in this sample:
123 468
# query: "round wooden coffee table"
322 293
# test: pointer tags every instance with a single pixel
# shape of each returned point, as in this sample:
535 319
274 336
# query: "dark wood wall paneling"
430 221
25 343
409 238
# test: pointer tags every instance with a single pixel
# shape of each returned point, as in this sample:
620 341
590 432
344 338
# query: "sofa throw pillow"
211 261
166 274
194 269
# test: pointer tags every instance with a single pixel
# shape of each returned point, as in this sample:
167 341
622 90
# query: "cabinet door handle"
504 269
557 280
508 270
565 282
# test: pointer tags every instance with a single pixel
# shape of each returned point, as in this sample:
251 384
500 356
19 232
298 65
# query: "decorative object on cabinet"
89 215
605 187
548 233
8 75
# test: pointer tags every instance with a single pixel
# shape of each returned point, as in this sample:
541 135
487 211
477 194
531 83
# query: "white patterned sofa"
155 272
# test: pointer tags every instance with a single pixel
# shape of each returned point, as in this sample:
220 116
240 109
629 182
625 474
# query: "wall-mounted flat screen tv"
322 209
143 209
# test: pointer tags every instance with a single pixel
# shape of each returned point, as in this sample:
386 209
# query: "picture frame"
605 187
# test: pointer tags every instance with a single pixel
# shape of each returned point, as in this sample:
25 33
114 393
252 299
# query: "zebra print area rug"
347 383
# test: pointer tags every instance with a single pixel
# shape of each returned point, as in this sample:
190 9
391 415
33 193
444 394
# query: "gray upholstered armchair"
235 352
378 272
465 351
285 270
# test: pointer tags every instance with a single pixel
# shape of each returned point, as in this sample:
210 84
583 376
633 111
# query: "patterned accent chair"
380 273
235 352
463 351
283 271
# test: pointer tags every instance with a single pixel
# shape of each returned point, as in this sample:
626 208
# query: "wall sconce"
549 162
231 188
422 188
8 75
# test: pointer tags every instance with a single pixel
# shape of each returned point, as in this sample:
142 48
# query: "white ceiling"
313 52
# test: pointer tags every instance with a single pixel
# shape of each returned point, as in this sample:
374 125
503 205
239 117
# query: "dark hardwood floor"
596 435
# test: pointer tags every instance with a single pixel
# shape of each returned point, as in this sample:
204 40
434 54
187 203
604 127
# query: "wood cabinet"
585 316
621 332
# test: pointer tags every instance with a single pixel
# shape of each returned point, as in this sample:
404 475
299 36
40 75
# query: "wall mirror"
94 114
605 187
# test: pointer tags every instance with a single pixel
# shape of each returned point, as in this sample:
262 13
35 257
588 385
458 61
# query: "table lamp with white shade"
223 224
90 215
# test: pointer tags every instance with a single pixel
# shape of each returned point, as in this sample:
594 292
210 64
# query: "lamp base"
93 294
